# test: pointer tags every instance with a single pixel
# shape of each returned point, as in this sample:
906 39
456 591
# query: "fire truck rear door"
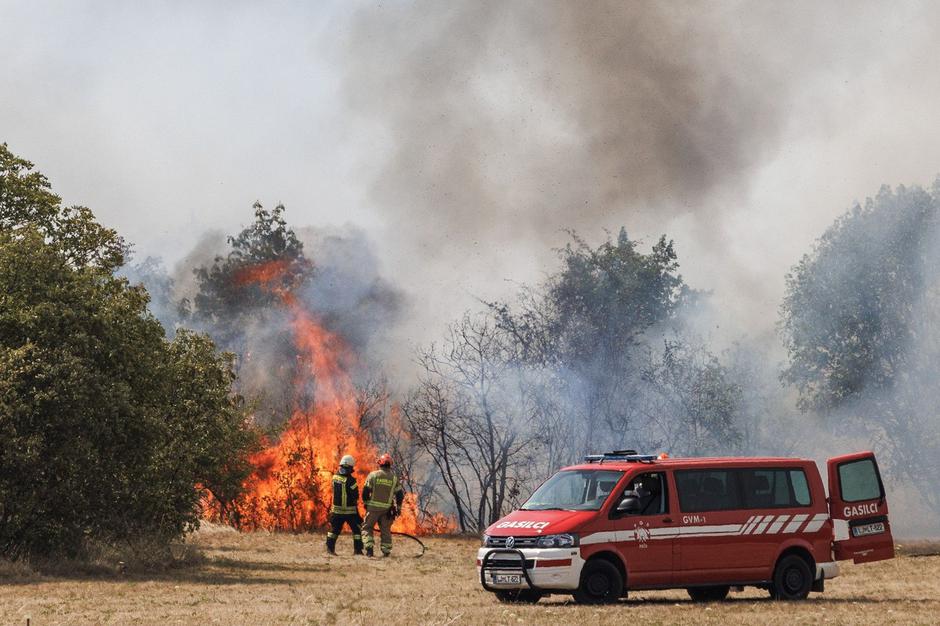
857 495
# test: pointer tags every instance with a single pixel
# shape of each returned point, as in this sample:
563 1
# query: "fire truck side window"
773 488
708 490
800 487
651 490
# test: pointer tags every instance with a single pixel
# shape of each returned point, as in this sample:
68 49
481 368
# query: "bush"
106 428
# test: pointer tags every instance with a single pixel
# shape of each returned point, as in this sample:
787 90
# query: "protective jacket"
345 494
382 489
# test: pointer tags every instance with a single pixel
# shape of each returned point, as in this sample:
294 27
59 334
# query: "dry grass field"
284 579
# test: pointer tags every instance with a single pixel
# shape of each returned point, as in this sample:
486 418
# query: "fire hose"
413 538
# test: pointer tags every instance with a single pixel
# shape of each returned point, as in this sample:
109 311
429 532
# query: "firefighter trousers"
384 520
337 520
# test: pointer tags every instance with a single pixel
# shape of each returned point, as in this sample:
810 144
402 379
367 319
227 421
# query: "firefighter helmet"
348 461
384 460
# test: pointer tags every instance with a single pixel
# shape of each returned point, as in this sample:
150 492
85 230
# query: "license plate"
868 529
507 579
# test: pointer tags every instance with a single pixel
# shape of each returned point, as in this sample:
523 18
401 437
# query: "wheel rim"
792 580
598 586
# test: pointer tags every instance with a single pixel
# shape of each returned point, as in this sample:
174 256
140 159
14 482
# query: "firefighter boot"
369 552
331 543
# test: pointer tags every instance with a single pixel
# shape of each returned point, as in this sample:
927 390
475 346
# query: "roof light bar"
620 455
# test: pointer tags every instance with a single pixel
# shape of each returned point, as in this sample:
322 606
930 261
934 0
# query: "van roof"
674 463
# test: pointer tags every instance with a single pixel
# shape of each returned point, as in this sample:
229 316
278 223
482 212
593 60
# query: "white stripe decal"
795 524
816 523
763 525
775 527
746 524
609 536
756 524
760 518
759 527
725 529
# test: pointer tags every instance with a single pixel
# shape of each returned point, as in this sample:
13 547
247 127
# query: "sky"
464 138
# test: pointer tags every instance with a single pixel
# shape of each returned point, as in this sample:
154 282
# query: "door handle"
667 520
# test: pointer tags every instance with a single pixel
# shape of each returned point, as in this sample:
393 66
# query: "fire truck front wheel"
519 596
793 579
601 582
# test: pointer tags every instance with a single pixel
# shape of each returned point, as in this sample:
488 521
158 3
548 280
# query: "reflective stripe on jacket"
345 495
381 490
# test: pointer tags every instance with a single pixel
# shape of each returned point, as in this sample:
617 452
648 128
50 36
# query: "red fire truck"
624 521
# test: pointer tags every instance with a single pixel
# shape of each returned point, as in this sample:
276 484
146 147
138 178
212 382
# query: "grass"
263 578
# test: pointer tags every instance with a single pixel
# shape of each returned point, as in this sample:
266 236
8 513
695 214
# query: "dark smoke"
530 117
349 292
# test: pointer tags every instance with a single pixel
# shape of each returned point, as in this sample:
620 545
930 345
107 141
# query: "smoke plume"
498 125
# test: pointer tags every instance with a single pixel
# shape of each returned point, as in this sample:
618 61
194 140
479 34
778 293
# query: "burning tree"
311 396
239 305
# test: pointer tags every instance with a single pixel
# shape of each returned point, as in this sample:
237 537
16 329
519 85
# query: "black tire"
793 579
601 583
519 596
709 594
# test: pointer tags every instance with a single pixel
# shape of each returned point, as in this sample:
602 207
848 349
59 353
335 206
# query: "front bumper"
539 568
827 570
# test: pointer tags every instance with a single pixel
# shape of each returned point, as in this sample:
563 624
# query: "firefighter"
345 508
382 496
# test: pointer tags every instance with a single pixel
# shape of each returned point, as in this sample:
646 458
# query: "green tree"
691 402
589 323
106 428
604 298
859 326
211 441
848 317
27 201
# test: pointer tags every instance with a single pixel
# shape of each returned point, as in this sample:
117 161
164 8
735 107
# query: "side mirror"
629 504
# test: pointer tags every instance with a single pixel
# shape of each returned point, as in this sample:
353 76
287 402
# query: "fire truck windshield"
574 490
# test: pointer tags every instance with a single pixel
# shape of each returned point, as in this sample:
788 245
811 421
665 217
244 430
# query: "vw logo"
510 542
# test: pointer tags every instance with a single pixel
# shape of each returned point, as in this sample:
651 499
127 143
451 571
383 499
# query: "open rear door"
857 495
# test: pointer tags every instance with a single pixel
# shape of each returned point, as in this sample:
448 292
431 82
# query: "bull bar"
486 559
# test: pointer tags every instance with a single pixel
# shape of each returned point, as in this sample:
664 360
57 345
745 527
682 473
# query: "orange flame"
290 488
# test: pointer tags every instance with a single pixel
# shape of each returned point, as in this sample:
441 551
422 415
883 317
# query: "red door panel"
647 539
857 495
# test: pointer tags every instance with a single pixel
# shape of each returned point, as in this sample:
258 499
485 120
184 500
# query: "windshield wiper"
550 508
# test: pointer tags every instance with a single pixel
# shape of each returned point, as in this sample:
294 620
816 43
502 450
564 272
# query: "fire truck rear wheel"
601 582
519 596
793 579
708 594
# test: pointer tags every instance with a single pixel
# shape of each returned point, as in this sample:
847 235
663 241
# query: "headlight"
486 540
558 541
